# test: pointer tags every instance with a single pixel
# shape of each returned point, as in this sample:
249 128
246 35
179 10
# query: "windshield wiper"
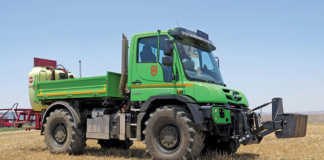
210 81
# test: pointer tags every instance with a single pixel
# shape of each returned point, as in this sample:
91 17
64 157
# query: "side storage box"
98 127
294 125
106 126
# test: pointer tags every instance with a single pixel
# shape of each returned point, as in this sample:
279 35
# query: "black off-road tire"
228 147
190 140
224 147
115 143
74 142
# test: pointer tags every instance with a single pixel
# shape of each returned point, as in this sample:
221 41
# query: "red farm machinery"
20 117
15 116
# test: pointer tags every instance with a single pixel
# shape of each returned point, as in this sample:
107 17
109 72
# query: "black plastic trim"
65 105
190 103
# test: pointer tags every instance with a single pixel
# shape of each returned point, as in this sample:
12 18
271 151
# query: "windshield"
198 64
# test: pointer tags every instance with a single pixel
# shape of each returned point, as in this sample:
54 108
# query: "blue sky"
267 48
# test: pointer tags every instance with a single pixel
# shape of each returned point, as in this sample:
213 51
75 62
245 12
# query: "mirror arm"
217 61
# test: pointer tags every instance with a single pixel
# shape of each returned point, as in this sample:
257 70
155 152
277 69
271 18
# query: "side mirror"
217 61
167 60
169 50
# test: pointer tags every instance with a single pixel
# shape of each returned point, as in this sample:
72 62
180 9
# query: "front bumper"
245 126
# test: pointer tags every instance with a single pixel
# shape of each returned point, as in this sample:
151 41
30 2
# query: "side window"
147 50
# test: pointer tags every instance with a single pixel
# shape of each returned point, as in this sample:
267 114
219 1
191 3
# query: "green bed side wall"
88 87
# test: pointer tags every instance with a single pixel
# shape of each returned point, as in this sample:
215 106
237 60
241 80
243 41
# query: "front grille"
229 97
232 95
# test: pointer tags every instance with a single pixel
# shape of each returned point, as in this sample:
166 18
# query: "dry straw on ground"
22 145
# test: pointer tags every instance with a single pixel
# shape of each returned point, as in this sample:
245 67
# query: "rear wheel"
61 134
115 143
170 135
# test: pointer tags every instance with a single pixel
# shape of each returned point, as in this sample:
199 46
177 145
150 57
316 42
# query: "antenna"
80 71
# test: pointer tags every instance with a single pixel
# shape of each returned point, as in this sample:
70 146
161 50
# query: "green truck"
169 94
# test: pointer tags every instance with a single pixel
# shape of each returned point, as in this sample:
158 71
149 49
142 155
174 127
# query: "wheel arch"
157 101
61 105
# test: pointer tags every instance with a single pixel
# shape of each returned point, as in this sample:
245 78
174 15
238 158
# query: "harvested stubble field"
29 145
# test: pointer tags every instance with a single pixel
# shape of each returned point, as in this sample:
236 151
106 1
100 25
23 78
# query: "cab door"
149 76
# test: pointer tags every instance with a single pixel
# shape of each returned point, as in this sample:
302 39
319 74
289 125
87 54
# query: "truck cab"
177 62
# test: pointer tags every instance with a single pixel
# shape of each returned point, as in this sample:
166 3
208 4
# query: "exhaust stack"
124 66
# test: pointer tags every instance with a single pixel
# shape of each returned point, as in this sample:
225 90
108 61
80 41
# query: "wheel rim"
60 134
169 137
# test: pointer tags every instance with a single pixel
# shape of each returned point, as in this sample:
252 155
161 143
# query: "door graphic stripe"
161 85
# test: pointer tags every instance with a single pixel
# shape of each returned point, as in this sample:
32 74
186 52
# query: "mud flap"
293 125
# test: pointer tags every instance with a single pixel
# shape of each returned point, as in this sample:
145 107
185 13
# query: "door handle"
137 82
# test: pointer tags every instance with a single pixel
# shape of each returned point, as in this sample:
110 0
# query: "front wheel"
115 143
223 147
170 135
229 147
